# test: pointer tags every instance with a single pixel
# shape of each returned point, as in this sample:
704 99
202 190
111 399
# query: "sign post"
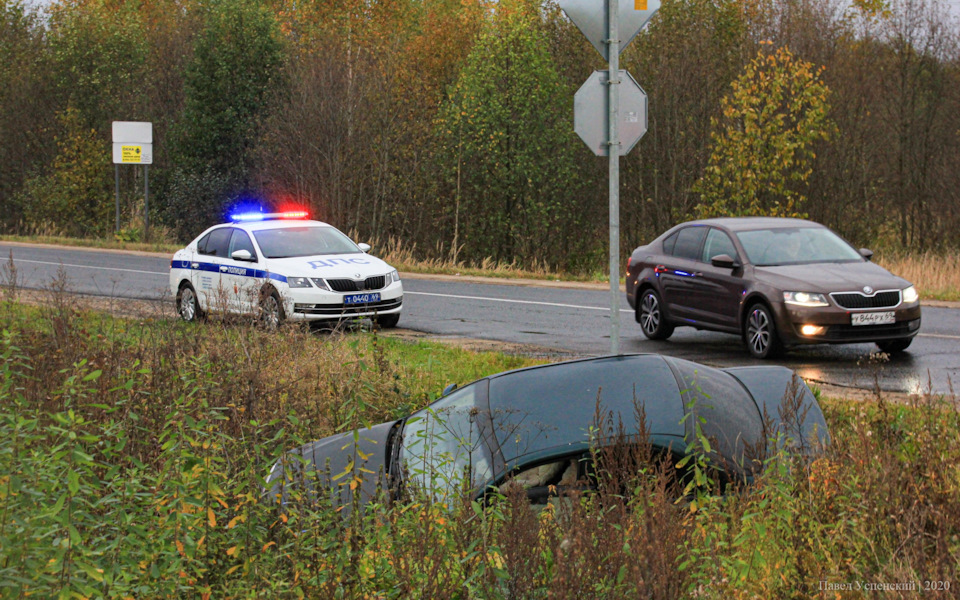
133 145
613 102
603 24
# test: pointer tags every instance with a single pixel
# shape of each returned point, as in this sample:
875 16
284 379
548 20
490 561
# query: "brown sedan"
775 282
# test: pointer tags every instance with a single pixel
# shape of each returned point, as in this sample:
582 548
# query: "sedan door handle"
222 268
194 265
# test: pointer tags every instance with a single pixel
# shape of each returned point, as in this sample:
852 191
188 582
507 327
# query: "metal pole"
613 51
146 203
116 185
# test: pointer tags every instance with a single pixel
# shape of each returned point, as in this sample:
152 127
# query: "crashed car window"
794 246
443 442
288 242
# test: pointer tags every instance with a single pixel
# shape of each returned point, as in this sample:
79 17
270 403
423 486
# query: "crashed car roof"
538 409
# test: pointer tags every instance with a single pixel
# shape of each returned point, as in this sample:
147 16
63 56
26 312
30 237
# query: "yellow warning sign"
639 4
131 154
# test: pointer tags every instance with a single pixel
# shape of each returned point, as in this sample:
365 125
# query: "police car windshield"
289 242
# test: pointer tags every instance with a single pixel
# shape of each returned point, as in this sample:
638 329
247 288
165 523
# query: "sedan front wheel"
761 333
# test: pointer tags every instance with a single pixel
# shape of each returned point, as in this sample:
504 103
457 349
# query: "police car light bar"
255 216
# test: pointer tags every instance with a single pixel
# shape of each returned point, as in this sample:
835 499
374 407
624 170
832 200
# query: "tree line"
448 124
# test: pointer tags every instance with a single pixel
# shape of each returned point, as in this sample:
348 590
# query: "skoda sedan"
775 282
283 266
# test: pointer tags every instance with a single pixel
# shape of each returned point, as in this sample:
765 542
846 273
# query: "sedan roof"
748 223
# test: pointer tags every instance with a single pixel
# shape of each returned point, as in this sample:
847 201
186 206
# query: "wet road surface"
566 320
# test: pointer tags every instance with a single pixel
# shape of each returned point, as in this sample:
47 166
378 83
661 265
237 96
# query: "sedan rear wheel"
761 333
651 317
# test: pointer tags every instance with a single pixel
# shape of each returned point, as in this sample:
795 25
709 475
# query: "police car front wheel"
271 310
388 321
187 306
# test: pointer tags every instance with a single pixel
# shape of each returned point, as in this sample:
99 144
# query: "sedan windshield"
795 246
445 442
303 241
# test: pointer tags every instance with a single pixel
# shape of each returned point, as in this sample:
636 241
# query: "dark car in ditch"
535 426
776 282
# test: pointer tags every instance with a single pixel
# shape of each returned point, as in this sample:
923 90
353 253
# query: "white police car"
283 266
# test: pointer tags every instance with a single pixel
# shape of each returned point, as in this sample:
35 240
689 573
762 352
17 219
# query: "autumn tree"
763 143
508 145
26 101
229 84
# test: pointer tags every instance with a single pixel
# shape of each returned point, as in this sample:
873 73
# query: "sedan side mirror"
242 255
724 261
866 253
364 247
449 389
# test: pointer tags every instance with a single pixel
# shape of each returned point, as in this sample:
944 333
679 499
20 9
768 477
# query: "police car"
283 266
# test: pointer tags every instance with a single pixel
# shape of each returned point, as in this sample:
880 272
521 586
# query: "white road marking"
939 335
57 264
604 309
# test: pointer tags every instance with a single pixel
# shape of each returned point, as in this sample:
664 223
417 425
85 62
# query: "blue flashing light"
246 217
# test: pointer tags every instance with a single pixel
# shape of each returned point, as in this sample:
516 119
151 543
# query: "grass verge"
132 453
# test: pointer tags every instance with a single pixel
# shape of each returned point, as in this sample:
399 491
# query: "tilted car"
775 282
534 424
283 266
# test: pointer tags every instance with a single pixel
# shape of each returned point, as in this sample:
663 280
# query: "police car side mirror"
866 253
364 247
242 255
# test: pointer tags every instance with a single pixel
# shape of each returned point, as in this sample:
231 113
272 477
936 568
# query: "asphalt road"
561 319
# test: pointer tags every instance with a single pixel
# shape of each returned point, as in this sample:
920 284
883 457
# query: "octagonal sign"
590 17
591 116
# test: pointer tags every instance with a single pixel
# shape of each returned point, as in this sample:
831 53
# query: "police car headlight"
320 283
392 276
298 282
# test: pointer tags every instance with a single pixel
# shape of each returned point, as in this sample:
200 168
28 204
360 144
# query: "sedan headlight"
391 277
910 295
808 299
320 283
298 282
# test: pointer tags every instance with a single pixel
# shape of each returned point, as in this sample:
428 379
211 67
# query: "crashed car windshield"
303 241
447 440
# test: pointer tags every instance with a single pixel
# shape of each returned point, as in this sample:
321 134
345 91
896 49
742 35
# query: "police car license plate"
361 298
877 318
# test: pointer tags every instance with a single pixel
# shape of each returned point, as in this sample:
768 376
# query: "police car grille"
339 310
857 300
351 285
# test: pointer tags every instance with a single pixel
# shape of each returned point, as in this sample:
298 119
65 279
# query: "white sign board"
132 143
591 116
133 132
590 17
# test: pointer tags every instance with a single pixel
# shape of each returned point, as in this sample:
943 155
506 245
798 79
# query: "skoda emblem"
867 290
357 276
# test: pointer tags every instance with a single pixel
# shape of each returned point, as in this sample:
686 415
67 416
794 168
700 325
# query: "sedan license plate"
364 298
875 318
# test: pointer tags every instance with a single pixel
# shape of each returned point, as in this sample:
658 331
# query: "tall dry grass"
936 275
